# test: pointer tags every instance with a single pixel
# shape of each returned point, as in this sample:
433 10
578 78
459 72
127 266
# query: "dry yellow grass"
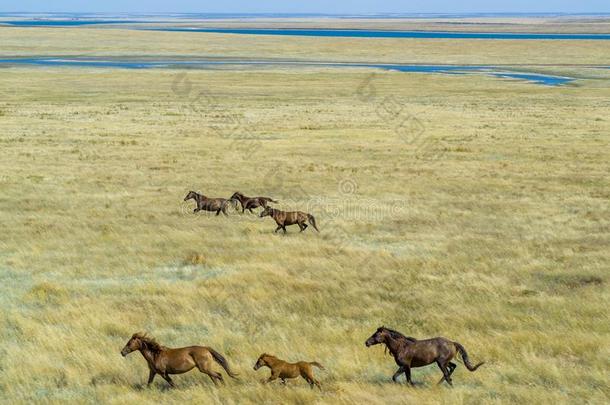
491 228
159 44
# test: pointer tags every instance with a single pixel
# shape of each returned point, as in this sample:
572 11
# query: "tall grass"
500 243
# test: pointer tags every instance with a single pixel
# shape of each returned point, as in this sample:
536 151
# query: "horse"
208 204
283 218
282 369
165 361
409 352
251 202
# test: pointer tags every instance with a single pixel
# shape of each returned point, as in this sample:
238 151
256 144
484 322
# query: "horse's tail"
312 221
316 364
465 357
233 201
223 362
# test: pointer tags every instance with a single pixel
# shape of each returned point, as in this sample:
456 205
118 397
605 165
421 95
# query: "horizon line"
270 13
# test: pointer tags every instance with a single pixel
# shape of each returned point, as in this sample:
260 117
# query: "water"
536 78
393 34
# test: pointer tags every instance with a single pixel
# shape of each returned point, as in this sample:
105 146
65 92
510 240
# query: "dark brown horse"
282 369
247 203
208 204
165 361
283 218
409 352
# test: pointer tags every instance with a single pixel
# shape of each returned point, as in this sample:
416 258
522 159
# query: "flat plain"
465 206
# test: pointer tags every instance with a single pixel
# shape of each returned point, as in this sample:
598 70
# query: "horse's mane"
397 335
394 334
149 341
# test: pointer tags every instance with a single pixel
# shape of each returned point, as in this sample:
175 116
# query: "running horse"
284 218
208 204
247 203
409 352
282 369
165 361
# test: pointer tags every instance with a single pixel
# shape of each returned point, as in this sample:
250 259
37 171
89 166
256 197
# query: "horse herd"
282 218
408 352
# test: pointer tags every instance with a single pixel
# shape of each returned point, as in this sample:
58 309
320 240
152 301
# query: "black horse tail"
316 364
223 362
465 357
312 221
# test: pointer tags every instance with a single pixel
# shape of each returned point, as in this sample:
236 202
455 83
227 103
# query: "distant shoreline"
119 15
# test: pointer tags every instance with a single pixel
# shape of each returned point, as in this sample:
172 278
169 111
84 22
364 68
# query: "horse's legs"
219 376
283 381
151 376
214 376
278 228
446 375
452 367
397 374
309 380
407 370
284 228
250 209
218 211
169 380
272 377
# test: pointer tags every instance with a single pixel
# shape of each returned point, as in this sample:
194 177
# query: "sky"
308 6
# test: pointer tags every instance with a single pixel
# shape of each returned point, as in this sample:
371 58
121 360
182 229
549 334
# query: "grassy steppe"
490 227
91 42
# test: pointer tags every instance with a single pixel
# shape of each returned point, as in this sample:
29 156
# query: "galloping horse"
409 352
282 369
208 204
283 218
251 202
165 361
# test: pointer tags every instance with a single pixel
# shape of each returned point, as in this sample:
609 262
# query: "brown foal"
283 370
165 361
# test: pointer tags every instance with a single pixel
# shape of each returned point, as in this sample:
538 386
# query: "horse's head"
266 212
378 337
135 343
261 361
236 196
190 195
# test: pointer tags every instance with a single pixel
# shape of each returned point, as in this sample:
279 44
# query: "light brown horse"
247 203
165 361
283 370
283 218
208 204
409 352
